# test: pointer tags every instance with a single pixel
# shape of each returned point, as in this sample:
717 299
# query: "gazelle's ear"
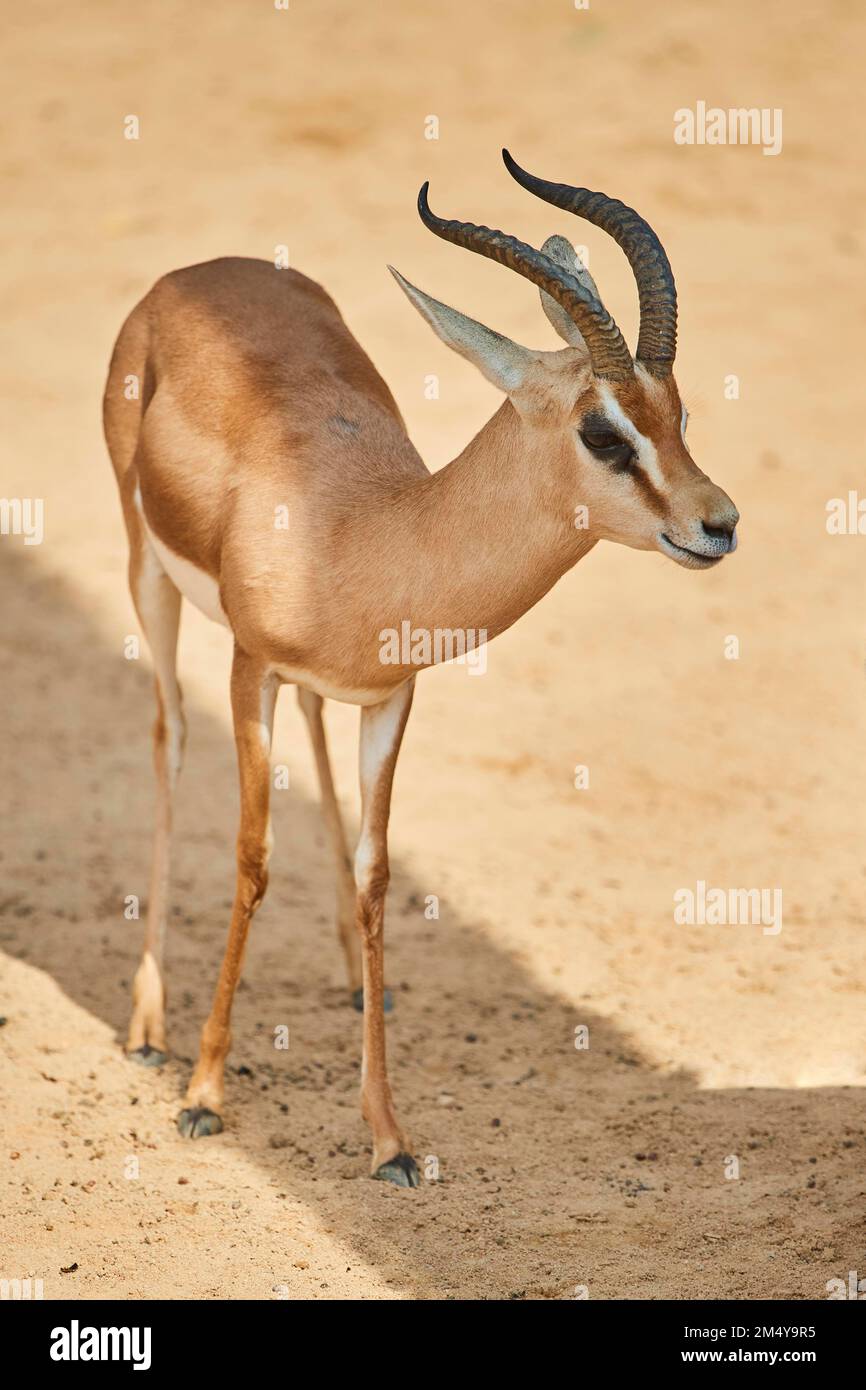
563 253
504 363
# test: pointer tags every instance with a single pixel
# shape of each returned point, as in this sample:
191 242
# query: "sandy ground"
559 1168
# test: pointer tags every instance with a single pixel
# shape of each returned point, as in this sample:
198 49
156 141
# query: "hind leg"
254 693
157 602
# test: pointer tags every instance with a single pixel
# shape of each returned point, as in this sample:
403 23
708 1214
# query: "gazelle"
254 397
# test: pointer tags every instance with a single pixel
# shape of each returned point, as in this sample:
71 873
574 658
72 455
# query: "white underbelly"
202 591
345 694
195 584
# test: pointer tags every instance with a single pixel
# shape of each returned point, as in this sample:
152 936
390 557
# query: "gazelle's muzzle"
706 540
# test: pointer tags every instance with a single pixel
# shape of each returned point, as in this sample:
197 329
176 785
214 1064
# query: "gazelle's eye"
599 440
606 445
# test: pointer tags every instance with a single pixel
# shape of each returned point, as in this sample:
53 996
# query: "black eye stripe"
596 423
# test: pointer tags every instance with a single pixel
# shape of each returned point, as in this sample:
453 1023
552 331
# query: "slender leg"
254 695
381 734
311 704
157 602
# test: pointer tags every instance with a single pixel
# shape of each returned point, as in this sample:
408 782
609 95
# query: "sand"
610 1168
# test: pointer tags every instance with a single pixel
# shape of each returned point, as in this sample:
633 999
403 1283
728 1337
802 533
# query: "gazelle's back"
269 334
245 369
232 333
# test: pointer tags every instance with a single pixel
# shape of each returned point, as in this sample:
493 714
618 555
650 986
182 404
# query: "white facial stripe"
683 422
644 448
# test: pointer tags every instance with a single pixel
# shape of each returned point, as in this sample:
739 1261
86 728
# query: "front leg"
253 699
381 734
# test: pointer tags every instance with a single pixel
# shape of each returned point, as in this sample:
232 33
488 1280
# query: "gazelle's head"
612 426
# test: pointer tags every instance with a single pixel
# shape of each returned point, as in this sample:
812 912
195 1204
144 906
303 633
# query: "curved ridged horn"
657 340
607 348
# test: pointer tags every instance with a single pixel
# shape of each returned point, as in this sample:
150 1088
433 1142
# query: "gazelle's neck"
489 534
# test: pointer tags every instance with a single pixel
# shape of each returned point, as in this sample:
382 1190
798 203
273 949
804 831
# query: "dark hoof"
402 1171
197 1123
147 1056
358 1001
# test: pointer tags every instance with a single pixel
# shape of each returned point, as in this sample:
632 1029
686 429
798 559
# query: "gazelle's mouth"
689 559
